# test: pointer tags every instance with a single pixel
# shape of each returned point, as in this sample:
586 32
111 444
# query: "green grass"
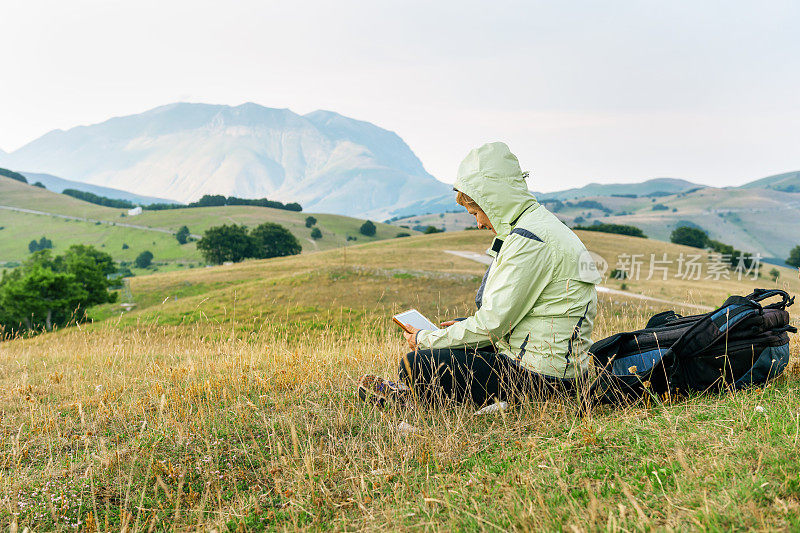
20 228
226 401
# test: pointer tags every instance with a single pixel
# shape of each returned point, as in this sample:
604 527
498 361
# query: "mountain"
56 184
657 185
325 161
786 182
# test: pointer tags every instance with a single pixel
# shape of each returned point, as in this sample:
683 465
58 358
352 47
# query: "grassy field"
104 227
225 401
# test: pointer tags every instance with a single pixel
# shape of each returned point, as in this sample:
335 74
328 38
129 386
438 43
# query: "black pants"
479 376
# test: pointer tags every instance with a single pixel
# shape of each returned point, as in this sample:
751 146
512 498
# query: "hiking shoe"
381 392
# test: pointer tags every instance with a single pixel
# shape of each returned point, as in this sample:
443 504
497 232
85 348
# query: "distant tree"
432 229
40 185
183 235
794 257
579 220
316 234
774 274
660 207
210 200
620 229
367 228
144 259
125 246
42 244
99 200
694 237
225 243
310 221
13 175
402 234
273 240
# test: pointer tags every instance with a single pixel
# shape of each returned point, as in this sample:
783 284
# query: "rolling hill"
786 182
56 184
761 219
656 185
28 212
323 160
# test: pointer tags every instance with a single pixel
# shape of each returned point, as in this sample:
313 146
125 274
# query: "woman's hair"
466 201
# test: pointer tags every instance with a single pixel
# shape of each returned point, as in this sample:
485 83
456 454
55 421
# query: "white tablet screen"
414 318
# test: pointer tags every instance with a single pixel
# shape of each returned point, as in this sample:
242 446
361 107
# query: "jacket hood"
491 176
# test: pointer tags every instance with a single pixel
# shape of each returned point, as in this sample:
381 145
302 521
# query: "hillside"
388 261
324 161
786 182
756 220
56 184
227 399
656 185
107 228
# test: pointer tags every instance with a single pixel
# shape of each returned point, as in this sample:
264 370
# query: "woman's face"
481 218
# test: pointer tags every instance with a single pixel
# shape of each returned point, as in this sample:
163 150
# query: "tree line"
218 200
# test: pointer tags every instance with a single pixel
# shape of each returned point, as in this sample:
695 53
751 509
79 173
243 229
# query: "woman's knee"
407 363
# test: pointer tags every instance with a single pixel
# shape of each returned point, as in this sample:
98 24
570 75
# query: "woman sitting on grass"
536 303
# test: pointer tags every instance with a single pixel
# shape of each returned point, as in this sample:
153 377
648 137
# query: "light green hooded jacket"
539 301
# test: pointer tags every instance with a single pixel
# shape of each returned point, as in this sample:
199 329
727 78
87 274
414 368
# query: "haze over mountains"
325 161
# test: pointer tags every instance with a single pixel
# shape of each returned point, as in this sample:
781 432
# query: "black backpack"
740 344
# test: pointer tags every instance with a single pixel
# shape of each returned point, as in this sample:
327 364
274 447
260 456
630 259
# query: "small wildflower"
632 369
759 409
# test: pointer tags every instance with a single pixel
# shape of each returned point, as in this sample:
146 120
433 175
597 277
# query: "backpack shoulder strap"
759 295
713 326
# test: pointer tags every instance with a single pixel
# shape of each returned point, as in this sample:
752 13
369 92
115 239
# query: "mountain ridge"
324 160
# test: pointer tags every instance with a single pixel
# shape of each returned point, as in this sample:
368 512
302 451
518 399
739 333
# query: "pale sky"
608 91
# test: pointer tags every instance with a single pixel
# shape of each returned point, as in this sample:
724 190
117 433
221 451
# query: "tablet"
415 319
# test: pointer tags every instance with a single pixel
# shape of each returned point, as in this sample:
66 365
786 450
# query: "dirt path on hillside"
92 220
485 259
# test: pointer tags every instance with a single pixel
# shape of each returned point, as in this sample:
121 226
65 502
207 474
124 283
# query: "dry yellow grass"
233 407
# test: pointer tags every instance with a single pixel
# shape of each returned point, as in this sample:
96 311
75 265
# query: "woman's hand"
411 338
448 323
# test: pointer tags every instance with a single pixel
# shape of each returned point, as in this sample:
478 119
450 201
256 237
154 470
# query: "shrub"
310 221
774 274
316 234
125 246
694 237
367 228
660 207
402 234
42 244
618 274
794 257
144 259
432 229
183 235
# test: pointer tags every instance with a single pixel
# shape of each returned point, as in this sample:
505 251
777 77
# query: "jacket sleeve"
521 271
